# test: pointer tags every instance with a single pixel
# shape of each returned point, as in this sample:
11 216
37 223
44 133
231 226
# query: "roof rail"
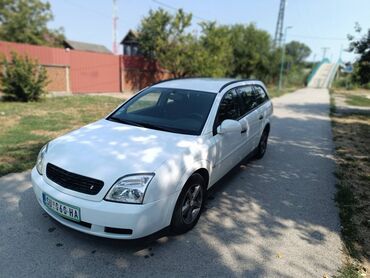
178 78
234 81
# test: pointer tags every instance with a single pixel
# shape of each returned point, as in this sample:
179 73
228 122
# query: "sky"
317 23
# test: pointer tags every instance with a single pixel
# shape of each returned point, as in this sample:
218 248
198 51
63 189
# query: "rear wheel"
262 146
189 205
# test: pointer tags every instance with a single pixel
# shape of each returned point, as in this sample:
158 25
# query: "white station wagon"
148 165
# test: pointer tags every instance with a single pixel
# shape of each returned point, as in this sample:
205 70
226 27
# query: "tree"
297 52
361 46
216 48
164 37
154 31
241 51
22 79
251 51
25 21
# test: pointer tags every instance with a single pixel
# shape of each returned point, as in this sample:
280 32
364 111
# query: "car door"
227 145
261 99
249 117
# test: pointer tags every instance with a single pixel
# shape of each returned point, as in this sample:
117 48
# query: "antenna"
278 39
114 27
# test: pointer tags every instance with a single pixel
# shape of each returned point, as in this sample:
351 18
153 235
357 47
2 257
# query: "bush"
367 86
345 82
22 79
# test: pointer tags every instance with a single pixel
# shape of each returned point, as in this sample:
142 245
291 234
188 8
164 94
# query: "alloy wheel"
192 203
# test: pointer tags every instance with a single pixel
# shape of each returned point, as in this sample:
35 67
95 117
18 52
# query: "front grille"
73 181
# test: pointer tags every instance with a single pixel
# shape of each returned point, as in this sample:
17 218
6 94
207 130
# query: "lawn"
274 92
358 100
351 134
26 127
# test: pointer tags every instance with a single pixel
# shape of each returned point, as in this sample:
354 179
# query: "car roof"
213 85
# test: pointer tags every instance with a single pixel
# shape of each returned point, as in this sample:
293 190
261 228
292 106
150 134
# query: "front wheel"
262 146
189 205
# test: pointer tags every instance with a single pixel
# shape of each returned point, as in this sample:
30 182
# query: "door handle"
243 131
260 117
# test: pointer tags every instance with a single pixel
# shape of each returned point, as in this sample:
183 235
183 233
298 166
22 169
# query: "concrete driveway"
270 218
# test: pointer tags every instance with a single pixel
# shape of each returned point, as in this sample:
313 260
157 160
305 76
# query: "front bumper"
109 219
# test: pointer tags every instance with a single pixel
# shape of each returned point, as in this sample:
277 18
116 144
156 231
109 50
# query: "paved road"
270 218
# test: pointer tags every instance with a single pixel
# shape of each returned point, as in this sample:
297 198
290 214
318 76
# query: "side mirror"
229 126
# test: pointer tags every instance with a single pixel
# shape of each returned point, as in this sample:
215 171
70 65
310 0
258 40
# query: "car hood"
107 150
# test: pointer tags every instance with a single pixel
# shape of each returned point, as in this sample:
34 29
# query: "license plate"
63 209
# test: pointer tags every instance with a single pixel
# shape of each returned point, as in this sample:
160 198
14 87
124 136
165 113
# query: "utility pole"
324 50
283 58
114 27
278 39
340 53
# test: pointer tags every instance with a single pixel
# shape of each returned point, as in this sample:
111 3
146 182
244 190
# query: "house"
130 44
84 46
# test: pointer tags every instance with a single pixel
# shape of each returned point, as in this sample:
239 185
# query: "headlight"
129 189
40 159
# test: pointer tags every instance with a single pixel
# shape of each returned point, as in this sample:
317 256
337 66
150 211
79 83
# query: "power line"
319 38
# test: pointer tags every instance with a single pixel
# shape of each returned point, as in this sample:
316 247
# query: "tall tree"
25 21
297 51
251 51
164 37
294 66
361 46
219 50
216 48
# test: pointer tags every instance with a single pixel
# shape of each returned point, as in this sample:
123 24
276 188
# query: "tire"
184 219
262 145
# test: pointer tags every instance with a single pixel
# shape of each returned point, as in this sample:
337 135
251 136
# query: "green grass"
358 100
274 92
26 127
350 270
346 203
351 136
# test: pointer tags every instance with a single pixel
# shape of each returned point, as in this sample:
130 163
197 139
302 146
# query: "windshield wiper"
145 125
124 121
151 126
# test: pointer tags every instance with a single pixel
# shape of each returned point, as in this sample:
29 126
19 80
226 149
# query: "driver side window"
229 108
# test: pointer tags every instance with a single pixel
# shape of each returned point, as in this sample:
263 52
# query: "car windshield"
172 110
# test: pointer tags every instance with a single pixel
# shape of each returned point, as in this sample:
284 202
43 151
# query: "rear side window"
229 108
248 99
261 95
